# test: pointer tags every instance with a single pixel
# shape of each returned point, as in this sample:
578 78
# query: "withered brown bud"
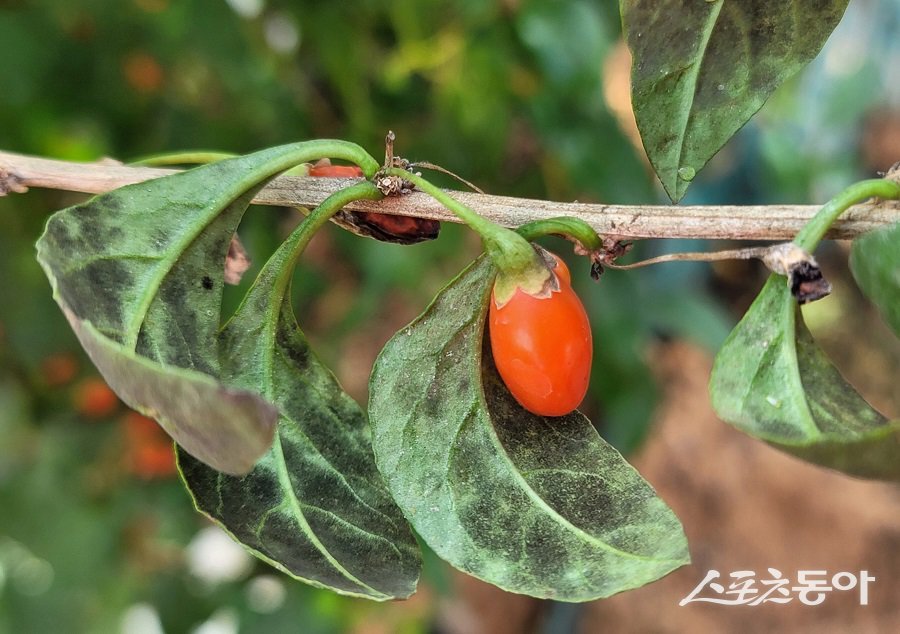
804 275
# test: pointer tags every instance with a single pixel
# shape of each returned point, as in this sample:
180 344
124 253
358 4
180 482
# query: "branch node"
10 182
613 248
393 185
804 275
893 173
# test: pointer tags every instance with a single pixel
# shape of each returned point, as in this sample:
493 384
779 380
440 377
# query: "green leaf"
315 505
875 263
207 418
142 267
540 506
772 381
702 68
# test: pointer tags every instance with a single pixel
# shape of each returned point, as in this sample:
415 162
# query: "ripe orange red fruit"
335 171
542 347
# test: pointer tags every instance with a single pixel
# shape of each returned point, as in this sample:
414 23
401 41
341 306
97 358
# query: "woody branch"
736 222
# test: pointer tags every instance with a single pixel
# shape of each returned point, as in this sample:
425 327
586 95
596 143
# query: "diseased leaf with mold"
772 381
702 68
540 506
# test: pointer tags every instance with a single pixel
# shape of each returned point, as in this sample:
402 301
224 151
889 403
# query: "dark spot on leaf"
198 472
58 234
287 341
110 204
280 535
94 293
263 488
545 550
177 333
207 282
98 223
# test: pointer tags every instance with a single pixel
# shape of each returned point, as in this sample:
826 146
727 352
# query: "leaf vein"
325 459
297 511
356 527
693 73
552 512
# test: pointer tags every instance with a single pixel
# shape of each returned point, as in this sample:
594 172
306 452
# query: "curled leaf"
772 381
202 415
140 270
143 266
315 505
540 506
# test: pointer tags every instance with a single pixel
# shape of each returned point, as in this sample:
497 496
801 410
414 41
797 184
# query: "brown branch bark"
737 222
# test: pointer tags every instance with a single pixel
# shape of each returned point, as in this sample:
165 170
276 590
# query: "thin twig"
736 222
751 253
443 170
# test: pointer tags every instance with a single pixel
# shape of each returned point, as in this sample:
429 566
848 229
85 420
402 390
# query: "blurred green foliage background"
522 97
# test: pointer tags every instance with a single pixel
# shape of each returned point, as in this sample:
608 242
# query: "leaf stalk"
813 232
